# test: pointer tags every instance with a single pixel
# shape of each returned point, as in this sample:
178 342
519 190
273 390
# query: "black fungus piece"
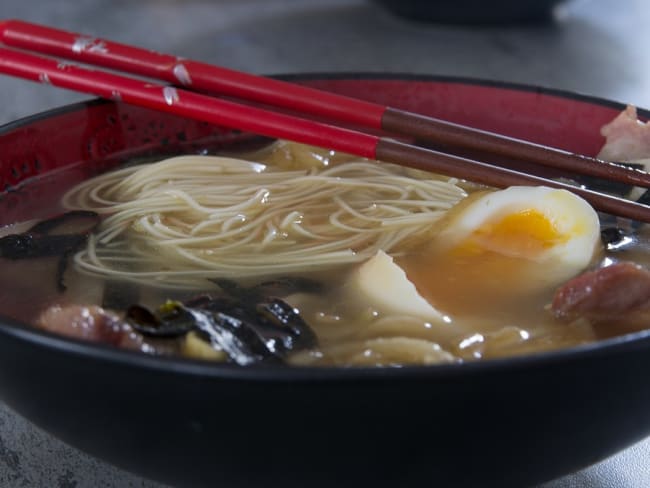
62 265
50 237
26 246
167 325
228 305
250 328
16 246
237 337
617 239
611 235
80 222
279 314
59 236
276 320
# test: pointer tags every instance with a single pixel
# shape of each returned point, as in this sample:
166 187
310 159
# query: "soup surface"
307 257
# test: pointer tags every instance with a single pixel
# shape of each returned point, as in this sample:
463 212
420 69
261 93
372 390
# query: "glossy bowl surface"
509 422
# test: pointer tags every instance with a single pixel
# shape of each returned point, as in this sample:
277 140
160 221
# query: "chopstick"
217 111
208 78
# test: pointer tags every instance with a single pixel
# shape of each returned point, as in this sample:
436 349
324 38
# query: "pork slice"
613 291
91 323
627 138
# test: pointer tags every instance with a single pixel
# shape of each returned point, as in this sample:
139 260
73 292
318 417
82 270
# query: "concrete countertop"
595 47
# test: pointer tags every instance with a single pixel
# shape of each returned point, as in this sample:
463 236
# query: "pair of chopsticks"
187 84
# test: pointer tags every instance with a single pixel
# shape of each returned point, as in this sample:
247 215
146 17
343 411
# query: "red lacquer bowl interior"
97 135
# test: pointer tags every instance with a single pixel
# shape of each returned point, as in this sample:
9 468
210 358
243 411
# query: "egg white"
552 231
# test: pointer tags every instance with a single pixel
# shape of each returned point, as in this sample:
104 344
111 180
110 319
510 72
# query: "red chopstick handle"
200 76
185 103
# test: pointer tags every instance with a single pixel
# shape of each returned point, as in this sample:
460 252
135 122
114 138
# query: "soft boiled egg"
503 244
539 224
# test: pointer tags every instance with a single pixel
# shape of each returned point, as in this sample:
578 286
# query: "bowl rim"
622 344
358 76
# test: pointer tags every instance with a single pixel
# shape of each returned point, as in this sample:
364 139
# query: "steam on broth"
307 257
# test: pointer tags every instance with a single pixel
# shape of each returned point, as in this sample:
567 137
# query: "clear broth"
485 321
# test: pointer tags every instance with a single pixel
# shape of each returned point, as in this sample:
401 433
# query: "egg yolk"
526 234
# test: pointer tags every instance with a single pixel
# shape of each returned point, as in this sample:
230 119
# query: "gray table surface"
596 47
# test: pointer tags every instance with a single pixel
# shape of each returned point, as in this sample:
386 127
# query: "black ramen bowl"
509 422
